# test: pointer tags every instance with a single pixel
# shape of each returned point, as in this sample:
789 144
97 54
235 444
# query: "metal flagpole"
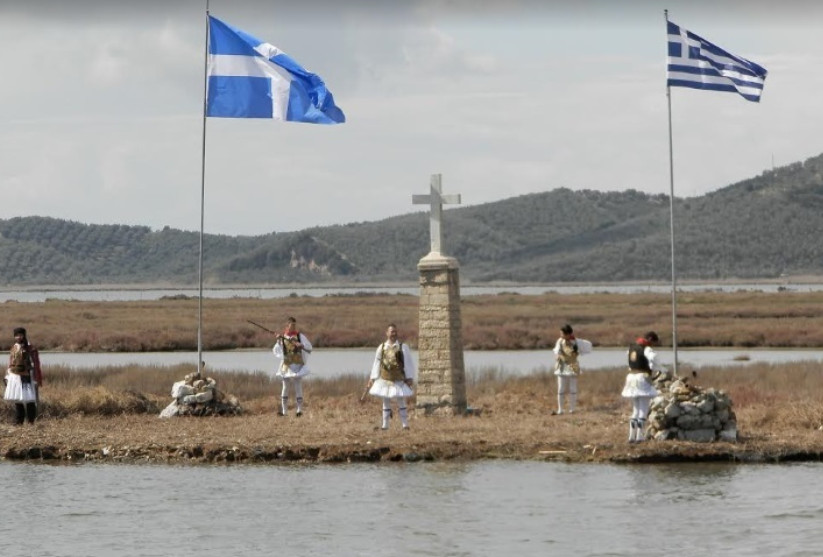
671 210
202 201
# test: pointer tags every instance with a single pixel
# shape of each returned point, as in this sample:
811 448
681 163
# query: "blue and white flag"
695 62
248 78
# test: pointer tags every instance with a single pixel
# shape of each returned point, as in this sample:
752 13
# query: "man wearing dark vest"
639 388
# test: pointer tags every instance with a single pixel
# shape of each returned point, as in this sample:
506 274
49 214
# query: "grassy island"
111 414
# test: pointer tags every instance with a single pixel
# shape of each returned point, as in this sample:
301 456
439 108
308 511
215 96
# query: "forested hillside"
759 228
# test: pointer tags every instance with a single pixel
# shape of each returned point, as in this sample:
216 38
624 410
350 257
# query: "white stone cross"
436 199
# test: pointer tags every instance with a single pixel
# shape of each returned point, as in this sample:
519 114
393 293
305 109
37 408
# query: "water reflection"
335 362
706 482
482 508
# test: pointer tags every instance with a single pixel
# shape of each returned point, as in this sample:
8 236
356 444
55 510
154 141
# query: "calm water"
334 362
104 294
496 508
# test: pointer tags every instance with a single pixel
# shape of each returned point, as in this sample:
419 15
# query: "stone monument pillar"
441 380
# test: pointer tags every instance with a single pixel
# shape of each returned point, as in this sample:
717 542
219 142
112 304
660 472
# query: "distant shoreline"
785 281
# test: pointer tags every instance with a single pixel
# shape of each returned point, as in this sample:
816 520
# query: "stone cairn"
690 413
199 396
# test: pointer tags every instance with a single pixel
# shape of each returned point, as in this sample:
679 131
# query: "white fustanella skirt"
294 370
18 391
390 389
637 384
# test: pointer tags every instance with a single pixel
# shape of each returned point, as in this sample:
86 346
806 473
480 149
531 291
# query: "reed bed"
504 321
786 395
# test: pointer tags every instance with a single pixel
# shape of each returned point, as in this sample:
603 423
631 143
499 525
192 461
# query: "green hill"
758 228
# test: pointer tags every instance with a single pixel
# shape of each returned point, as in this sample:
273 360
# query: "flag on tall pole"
696 63
245 77
248 78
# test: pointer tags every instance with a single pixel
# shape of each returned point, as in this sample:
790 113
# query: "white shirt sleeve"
306 344
651 356
557 347
375 368
408 363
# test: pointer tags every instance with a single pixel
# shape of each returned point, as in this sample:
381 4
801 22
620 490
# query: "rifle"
365 393
279 335
261 326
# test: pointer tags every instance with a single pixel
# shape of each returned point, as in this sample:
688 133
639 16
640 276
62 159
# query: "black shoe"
299 413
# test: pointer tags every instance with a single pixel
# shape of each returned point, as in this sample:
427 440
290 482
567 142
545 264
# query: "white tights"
637 423
298 393
401 410
566 384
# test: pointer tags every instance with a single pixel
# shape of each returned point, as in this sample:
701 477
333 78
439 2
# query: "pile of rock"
199 396
690 413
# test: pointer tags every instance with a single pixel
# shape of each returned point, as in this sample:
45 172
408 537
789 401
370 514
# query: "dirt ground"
341 431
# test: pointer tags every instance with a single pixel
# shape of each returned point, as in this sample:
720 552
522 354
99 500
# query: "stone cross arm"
435 199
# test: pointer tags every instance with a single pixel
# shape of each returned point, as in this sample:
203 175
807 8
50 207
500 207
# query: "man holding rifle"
292 348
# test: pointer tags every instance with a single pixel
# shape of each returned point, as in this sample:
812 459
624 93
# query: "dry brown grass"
778 407
504 321
793 388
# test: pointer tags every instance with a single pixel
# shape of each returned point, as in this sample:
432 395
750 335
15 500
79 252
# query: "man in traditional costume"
392 376
567 350
292 348
643 365
23 378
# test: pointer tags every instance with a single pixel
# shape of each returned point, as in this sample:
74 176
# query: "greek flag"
695 62
248 78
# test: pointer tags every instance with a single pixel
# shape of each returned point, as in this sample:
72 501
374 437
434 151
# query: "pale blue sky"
101 108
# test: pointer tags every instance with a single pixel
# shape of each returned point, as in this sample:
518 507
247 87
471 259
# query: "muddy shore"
335 434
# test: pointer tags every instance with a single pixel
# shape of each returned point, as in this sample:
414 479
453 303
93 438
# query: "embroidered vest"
392 367
292 354
20 360
568 355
